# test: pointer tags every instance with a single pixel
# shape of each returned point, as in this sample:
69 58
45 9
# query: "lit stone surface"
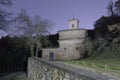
73 23
71 34
39 69
71 43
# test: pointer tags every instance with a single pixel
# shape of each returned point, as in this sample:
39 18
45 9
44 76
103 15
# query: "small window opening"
64 48
77 48
72 25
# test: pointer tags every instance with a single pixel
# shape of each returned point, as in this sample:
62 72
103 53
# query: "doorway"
51 56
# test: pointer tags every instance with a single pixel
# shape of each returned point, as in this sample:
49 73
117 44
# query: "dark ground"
13 76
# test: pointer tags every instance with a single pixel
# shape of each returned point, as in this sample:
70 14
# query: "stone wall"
72 51
39 69
46 52
70 45
73 33
62 53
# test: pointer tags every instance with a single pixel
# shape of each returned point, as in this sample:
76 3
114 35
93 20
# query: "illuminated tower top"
73 23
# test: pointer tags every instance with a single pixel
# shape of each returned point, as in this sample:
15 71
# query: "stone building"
71 43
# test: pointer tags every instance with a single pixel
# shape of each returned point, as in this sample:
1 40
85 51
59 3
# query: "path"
15 76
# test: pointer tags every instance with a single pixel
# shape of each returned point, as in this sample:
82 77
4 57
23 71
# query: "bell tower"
73 23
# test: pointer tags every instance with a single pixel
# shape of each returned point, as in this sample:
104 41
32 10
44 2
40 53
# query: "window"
72 25
77 48
64 48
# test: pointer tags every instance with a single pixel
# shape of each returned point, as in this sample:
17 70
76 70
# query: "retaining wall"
39 69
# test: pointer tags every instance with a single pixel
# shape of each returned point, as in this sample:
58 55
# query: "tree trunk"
31 50
36 50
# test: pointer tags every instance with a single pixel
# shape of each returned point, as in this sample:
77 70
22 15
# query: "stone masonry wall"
66 52
71 34
39 69
71 45
46 52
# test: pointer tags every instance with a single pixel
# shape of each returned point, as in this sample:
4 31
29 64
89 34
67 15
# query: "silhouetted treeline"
13 51
104 40
101 26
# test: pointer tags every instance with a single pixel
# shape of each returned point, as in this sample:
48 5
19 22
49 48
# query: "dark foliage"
91 34
101 26
106 51
13 50
53 39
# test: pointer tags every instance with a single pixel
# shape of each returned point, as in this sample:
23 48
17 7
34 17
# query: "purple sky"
60 11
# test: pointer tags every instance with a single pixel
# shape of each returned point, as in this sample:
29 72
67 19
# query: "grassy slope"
102 64
106 60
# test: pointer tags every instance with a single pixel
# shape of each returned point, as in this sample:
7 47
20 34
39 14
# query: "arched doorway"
51 56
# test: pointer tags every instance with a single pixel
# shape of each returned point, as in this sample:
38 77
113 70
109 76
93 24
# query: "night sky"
60 11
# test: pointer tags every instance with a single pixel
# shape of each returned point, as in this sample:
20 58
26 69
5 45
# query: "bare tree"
110 8
117 5
33 27
4 15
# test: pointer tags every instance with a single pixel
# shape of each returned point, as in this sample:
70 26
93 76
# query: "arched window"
51 56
